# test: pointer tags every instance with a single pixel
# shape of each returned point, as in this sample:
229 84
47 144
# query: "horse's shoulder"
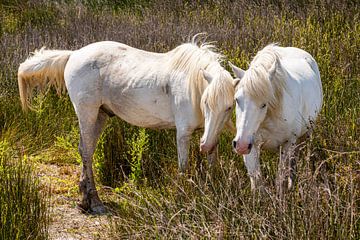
274 131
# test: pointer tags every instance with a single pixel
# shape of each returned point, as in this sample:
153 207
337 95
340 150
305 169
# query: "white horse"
277 100
177 89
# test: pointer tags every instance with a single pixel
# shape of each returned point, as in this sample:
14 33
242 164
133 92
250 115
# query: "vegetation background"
136 169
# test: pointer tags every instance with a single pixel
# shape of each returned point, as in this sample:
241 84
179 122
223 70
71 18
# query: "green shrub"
16 15
138 145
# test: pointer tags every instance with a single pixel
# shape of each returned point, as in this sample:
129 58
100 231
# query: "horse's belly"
145 108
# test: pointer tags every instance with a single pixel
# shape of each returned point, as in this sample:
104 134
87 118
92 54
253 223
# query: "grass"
23 201
325 203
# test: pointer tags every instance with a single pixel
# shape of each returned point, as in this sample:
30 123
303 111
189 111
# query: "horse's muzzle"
242 148
207 148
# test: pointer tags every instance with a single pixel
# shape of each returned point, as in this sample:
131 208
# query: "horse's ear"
206 75
272 69
239 73
236 82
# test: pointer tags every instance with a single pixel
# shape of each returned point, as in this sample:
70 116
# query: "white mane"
191 59
264 81
220 91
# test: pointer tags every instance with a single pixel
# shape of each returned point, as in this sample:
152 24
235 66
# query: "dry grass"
324 204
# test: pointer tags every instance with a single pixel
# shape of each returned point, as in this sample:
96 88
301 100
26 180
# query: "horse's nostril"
234 144
250 146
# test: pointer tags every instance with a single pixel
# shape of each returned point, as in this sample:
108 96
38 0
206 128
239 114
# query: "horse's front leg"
212 156
286 167
252 164
183 135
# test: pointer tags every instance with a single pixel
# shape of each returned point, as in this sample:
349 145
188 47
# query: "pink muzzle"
205 147
241 147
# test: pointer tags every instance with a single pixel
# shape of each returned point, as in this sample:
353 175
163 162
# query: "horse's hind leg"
91 121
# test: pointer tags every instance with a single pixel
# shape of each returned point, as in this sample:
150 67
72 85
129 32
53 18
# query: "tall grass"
23 203
222 206
325 203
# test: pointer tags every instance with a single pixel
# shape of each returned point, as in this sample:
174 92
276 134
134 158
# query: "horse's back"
85 64
299 62
303 85
82 75
302 68
91 70
128 81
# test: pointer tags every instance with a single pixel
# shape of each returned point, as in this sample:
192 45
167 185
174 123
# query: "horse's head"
216 106
255 97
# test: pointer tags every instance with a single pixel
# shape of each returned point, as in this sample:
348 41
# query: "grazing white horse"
277 99
177 89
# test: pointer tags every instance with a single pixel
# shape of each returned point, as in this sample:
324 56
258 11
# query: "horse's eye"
228 109
263 106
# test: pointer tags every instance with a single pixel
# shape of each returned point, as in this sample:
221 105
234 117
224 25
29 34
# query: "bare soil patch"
66 220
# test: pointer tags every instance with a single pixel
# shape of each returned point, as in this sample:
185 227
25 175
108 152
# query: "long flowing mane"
219 92
191 58
264 81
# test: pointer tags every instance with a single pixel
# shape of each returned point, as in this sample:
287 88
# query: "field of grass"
136 169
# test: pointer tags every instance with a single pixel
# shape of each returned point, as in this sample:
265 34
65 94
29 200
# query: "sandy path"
66 221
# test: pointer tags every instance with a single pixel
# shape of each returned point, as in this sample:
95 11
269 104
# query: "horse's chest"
271 135
145 107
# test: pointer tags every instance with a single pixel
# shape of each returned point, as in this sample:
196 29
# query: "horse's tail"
44 68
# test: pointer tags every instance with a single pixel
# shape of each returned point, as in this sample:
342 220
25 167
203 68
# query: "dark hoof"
96 209
84 208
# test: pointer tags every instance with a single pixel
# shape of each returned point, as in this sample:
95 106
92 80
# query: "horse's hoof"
98 209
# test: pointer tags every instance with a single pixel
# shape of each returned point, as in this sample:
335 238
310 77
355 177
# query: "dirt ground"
67 222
